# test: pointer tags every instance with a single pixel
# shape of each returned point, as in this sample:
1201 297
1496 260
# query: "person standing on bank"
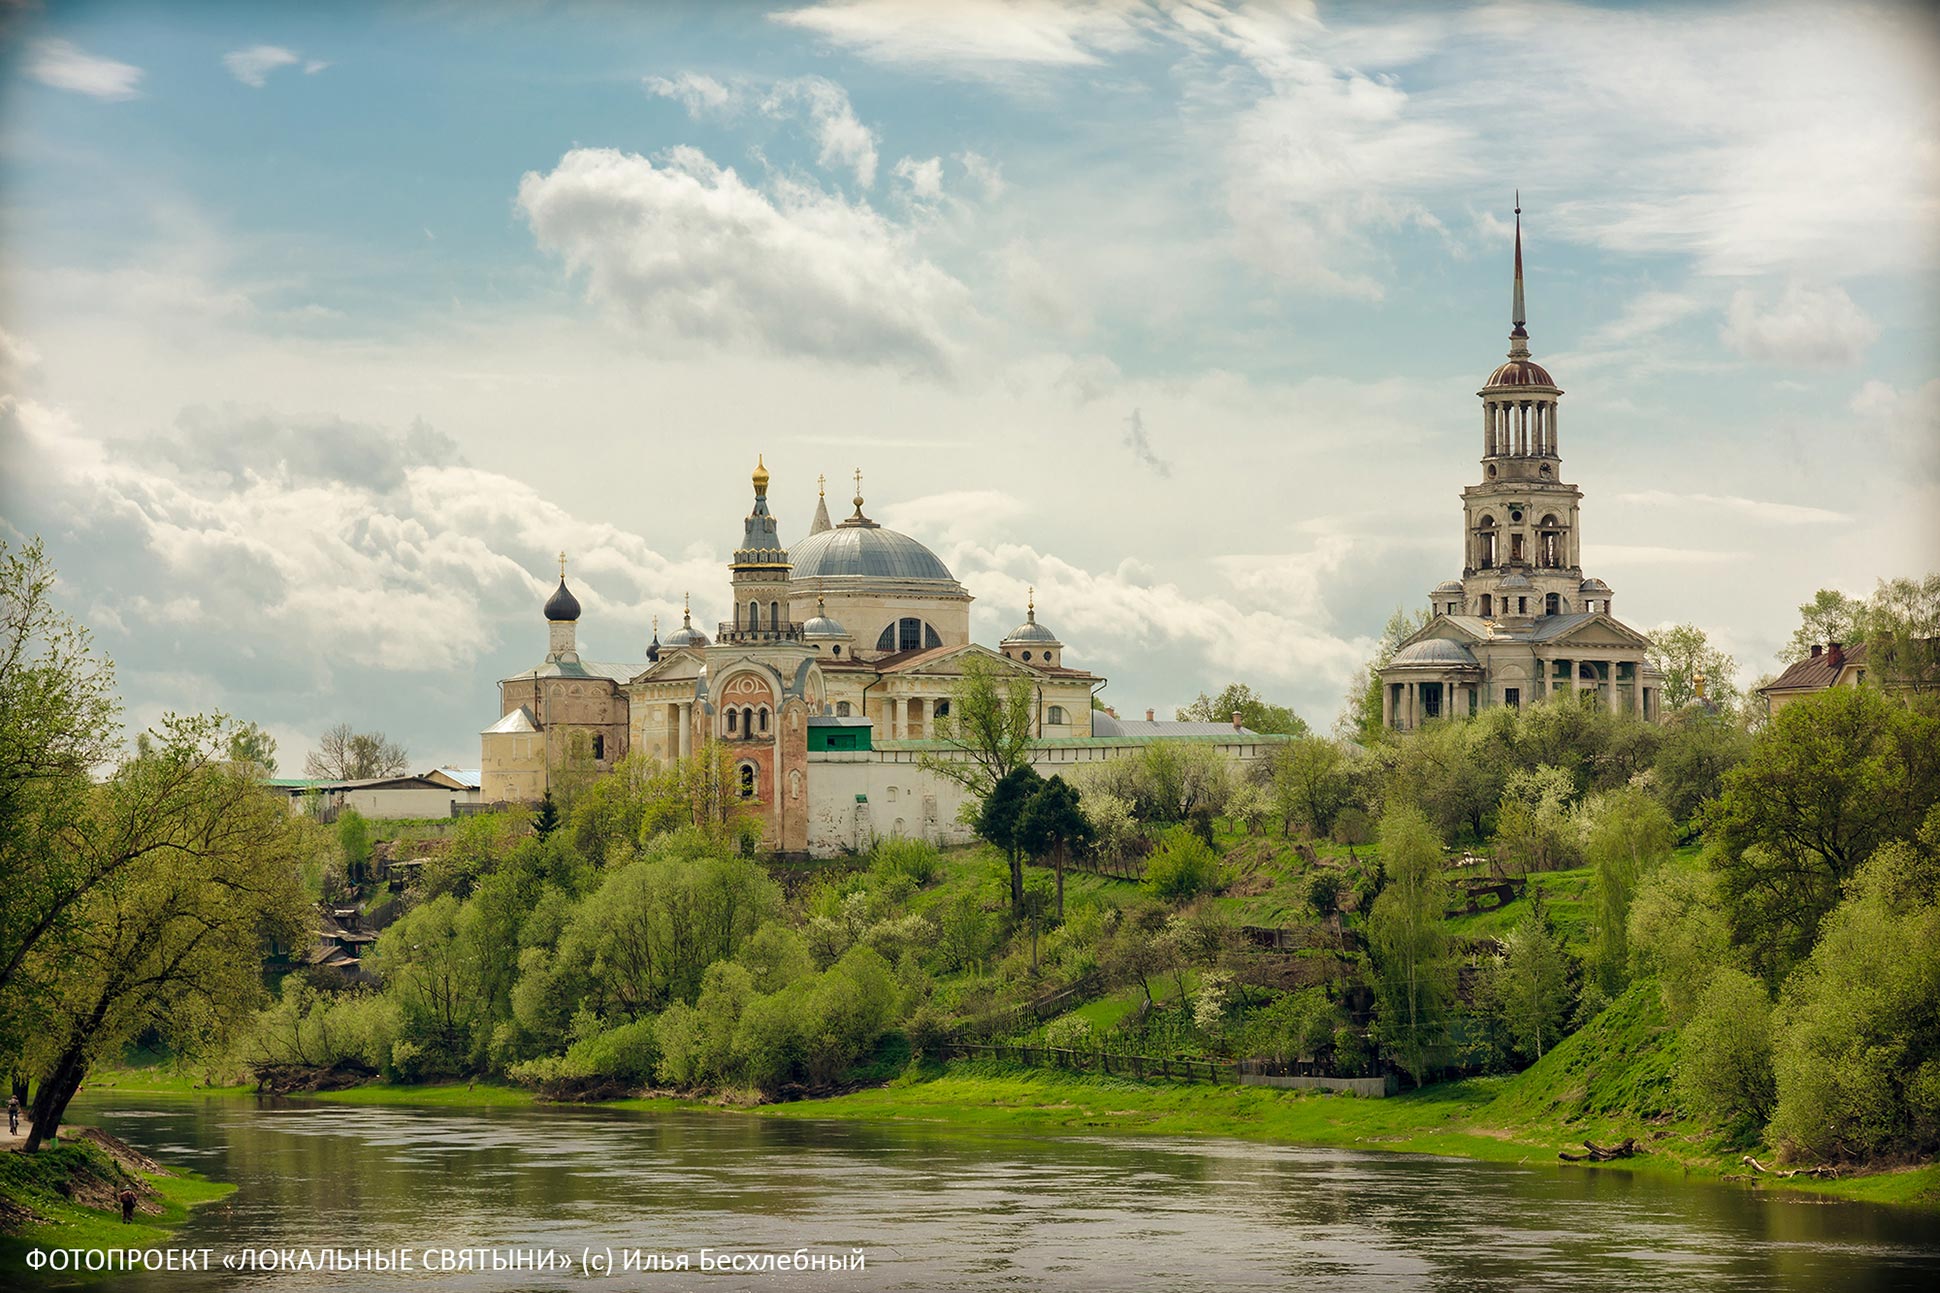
127 1204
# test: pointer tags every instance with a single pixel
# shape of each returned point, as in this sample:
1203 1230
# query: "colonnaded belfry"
1523 622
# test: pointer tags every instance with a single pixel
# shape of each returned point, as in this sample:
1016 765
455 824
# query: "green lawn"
31 1180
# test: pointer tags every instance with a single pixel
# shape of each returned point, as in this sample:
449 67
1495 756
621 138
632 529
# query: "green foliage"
1310 784
546 820
623 1056
1835 776
1001 814
1696 751
354 841
1630 836
1684 655
1295 1026
1726 1071
249 744
1166 782
1679 935
1255 712
988 728
1183 866
1407 934
1831 616
1857 1031
1527 986
1114 827
914 860
1534 829
1361 720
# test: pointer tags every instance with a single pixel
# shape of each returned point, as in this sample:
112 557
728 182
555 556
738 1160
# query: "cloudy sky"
324 330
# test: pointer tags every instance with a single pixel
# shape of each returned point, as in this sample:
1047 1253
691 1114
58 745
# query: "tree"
1724 1068
173 940
998 818
1414 978
1361 720
1255 711
1631 837
1697 750
1534 828
1051 824
988 727
1679 935
250 744
1903 633
59 719
1831 616
1833 778
353 837
1682 654
1310 784
344 755
1527 985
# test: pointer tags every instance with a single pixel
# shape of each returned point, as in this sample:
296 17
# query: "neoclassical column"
1616 702
895 718
1387 707
686 708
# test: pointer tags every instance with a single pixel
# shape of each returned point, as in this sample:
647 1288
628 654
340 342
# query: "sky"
322 329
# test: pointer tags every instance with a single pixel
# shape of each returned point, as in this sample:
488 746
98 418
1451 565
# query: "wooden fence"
1035 1012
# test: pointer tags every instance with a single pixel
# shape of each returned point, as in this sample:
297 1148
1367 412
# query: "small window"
1522 606
747 781
1551 604
841 709
754 616
1488 605
599 746
1027 655
733 721
836 649
1512 697
1055 714
942 709
774 615
764 718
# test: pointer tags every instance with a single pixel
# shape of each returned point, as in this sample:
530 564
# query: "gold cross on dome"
821 486
562 564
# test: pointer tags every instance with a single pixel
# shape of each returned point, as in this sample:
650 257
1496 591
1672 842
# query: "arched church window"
747 721
1485 543
733 721
754 616
1515 547
774 615
599 746
1488 606
764 718
1055 715
931 639
1552 604
836 649
747 781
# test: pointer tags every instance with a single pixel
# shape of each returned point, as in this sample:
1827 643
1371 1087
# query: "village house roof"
1819 670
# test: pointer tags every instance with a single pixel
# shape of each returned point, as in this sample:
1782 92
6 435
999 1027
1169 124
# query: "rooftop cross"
562 565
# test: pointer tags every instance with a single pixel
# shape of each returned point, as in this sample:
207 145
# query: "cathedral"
1524 622
826 688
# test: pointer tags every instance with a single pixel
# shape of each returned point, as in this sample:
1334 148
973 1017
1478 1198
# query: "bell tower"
1522 556
760 571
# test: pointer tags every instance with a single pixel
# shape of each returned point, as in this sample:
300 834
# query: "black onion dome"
562 606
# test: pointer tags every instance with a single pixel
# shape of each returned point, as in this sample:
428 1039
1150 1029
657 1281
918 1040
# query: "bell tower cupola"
760 571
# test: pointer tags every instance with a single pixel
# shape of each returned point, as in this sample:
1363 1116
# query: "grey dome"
562 606
821 626
1593 586
1433 651
1031 631
686 636
1449 586
1515 579
867 550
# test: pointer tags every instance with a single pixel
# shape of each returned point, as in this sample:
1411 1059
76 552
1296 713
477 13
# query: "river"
946 1209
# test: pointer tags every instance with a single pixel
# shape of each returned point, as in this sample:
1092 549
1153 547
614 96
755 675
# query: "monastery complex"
848 643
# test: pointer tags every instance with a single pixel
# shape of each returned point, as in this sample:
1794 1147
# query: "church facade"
825 688
1524 622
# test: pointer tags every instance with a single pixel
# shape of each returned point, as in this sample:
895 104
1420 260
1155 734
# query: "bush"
1071 1033
622 1056
915 860
1183 866
1725 1069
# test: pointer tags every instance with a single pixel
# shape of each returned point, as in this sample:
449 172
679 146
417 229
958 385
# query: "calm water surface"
945 1209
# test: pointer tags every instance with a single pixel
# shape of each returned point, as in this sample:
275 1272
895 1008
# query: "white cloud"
977 37
313 66
701 95
252 66
924 178
66 66
18 360
840 137
1757 509
984 173
1646 315
688 248
1807 327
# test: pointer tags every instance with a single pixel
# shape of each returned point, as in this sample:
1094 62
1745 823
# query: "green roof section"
1101 742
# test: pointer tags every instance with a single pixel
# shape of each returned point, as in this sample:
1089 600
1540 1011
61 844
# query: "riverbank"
66 1195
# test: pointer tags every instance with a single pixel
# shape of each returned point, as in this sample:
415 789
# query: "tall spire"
821 521
1520 316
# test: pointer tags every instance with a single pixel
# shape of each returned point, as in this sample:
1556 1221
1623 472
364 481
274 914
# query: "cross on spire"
562 565
858 492
1521 315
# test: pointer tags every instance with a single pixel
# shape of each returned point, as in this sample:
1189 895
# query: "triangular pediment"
1599 630
681 664
1465 629
949 661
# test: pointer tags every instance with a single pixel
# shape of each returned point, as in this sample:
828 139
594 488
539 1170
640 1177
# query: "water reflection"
945 1209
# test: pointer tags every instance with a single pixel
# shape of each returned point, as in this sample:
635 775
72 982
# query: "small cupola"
562 618
1031 642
